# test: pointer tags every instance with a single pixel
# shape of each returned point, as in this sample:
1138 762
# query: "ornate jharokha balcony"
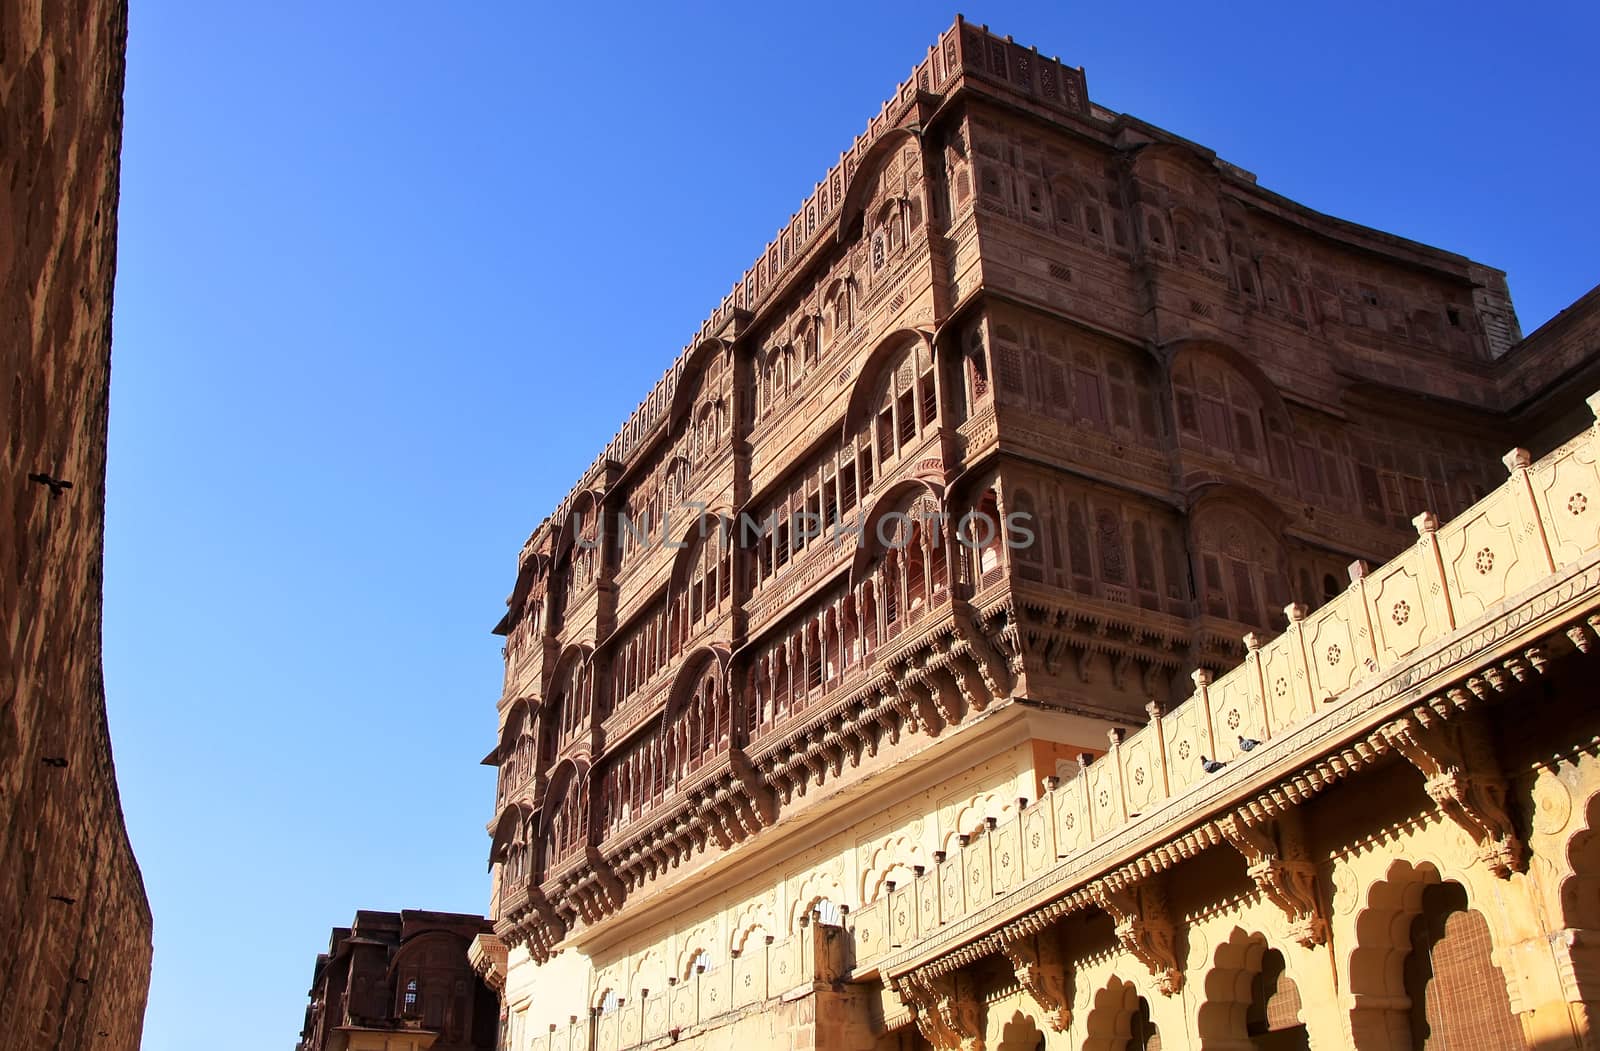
1474 607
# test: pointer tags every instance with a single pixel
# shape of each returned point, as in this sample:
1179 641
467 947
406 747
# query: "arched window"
1220 413
409 1003
1243 567
906 404
702 588
977 369
566 827
699 963
980 535
610 1002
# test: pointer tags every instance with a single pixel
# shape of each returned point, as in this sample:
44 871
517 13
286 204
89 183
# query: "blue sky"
390 274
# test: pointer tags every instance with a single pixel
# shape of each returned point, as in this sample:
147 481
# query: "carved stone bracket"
988 655
1041 969
487 954
948 1010
1281 873
1461 777
1144 929
917 703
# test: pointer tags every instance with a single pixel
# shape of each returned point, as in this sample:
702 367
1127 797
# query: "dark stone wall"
75 924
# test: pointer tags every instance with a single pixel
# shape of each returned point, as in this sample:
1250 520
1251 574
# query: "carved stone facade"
872 688
75 925
403 981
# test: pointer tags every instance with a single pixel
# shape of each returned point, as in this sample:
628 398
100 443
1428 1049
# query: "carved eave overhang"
1422 712
527 918
723 807
1054 624
940 673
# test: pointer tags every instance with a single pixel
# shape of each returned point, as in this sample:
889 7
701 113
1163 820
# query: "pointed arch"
1241 565
1179 351
509 825
564 818
700 590
693 366
864 180
569 701
900 366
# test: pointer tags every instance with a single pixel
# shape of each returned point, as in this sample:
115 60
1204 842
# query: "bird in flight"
57 485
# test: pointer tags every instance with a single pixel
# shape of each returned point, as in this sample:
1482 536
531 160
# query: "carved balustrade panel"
683 1004
750 976
1143 779
608 1033
657 1012
977 870
784 969
1495 548
904 928
1038 841
1331 644
1071 818
1284 679
870 926
630 1025
1398 605
1566 488
1235 711
1005 855
1105 798
1188 738
927 891
952 888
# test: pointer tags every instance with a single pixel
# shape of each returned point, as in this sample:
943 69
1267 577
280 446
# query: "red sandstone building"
400 981
756 785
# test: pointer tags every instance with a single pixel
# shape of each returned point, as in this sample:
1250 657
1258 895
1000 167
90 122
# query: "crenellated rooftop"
963 48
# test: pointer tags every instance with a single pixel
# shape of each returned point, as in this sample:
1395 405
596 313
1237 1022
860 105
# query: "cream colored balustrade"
1545 517
759 973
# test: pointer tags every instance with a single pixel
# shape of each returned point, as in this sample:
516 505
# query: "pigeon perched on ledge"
1247 743
1210 766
